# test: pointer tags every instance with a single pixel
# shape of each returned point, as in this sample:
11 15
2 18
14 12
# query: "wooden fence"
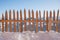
47 19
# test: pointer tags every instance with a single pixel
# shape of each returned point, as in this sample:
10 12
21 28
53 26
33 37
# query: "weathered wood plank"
29 20
10 22
14 21
37 21
29 16
20 21
2 23
24 19
6 23
32 19
57 21
50 21
54 19
47 21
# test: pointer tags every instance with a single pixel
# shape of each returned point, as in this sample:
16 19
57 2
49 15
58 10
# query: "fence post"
14 20
37 21
10 21
29 18
24 19
54 17
2 23
50 21
47 21
20 21
32 20
6 22
57 21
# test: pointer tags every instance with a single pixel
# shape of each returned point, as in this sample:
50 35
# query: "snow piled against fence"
27 35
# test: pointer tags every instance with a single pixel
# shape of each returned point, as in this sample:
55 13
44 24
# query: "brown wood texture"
37 21
33 20
20 30
2 23
47 21
6 23
29 19
50 22
57 21
24 19
29 16
14 21
10 22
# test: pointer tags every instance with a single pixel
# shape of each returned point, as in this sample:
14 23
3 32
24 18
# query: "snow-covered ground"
27 35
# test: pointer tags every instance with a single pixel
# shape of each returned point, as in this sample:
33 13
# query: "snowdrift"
27 35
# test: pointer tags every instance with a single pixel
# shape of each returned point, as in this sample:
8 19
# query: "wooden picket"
37 21
29 17
32 20
14 21
6 18
48 20
20 21
10 20
24 19
57 21
2 23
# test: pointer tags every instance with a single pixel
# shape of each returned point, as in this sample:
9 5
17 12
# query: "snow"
27 35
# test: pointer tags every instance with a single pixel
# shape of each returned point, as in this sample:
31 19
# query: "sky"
29 4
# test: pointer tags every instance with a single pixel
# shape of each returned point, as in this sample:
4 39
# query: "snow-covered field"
30 35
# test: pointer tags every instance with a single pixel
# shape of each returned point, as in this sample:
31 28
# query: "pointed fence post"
50 21
32 20
37 21
10 21
6 22
57 21
47 21
24 19
29 20
14 20
20 21
2 23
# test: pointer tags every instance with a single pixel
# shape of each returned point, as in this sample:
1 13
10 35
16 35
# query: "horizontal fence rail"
13 21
